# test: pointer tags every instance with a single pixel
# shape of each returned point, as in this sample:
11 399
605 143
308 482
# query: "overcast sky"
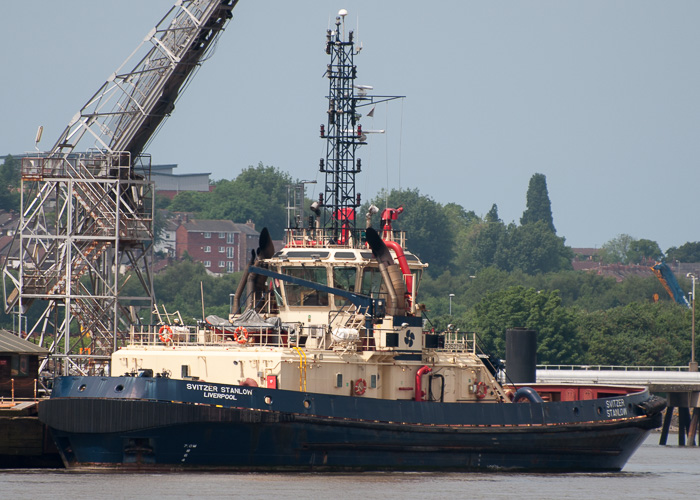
600 96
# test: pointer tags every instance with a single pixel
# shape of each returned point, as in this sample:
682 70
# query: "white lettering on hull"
615 408
219 392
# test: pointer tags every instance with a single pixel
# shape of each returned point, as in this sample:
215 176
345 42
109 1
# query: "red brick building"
221 245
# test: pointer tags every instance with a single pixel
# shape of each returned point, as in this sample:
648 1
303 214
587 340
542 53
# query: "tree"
532 249
189 201
642 251
517 306
492 215
687 252
539 208
9 184
624 249
639 334
258 193
616 250
179 287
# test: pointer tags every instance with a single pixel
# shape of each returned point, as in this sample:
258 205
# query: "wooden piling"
683 425
693 427
666 426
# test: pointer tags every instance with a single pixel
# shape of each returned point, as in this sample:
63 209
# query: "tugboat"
325 364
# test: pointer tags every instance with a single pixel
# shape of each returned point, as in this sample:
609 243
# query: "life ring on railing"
360 386
480 390
165 334
241 335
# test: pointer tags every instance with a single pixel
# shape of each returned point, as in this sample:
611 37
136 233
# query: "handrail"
614 368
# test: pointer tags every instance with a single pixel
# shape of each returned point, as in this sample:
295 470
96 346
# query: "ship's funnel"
266 248
256 283
521 355
391 272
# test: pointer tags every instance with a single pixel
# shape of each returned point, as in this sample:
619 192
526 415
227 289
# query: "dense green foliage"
637 334
624 249
9 184
179 288
540 310
258 193
687 252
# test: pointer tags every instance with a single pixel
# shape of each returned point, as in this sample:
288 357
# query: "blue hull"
154 423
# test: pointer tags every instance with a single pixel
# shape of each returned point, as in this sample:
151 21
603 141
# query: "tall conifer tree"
539 208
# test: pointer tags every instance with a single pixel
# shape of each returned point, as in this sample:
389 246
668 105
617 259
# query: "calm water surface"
653 472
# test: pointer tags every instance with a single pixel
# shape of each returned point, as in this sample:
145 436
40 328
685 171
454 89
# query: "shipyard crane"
87 214
670 283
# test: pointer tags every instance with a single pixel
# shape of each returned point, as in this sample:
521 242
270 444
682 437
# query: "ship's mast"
337 205
343 134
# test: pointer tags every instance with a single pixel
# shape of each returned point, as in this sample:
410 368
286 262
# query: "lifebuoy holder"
241 335
480 390
165 334
360 386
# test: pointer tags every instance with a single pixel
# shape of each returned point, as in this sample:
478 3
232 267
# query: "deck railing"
298 336
614 368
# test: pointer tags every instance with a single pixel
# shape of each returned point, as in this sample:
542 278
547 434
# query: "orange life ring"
241 335
481 390
165 334
360 386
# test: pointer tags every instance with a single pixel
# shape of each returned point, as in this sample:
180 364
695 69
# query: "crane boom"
126 112
669 282
88 213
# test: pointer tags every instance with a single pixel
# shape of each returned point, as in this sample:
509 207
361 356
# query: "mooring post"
666 426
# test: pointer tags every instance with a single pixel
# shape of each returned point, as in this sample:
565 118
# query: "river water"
653 472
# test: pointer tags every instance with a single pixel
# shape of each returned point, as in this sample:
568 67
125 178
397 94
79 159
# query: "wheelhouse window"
298 295
343 278
372 283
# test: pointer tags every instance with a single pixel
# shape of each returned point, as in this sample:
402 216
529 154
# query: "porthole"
600 410
119 388
81 388
576 410
307 403
268 400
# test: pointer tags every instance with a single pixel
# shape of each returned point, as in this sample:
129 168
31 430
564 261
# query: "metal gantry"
86 228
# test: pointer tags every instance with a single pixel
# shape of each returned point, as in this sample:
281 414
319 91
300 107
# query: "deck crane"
87 215
668 280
